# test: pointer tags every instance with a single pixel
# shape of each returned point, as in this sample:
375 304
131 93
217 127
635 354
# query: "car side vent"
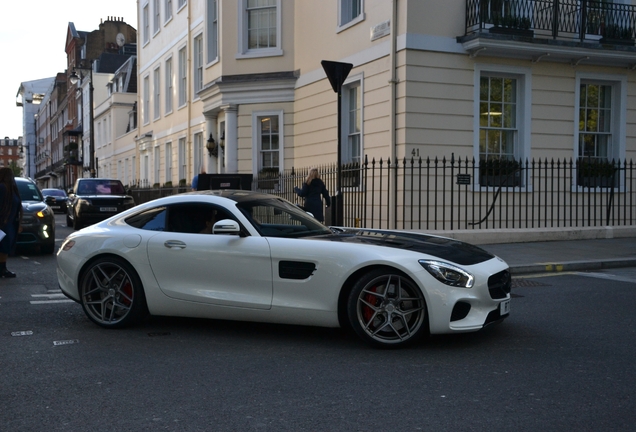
295 269
499 285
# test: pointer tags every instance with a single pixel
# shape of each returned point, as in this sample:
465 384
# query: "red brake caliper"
367 312
128 291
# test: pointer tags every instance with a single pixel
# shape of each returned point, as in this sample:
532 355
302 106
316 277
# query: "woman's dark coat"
9 222
312 193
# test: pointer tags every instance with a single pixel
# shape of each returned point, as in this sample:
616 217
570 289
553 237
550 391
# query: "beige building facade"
239 87
249 74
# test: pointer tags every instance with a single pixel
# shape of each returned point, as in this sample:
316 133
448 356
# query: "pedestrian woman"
10 218
312 190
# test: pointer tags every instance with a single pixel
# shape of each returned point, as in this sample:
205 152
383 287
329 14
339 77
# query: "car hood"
441 247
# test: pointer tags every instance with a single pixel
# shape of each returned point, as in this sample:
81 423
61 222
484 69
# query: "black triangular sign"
336 72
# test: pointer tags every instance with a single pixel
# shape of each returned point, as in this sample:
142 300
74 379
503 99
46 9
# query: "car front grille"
499 285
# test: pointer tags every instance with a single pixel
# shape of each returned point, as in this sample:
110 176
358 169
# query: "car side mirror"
226 226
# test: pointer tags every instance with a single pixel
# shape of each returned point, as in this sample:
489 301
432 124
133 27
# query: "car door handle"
174 244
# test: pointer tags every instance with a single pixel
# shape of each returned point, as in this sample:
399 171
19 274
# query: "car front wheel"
111 293
387 309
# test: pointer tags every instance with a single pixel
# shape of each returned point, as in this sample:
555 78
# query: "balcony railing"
558 19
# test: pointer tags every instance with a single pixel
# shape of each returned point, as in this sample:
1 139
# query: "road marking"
52 298
607 276
39 302
66 342
22 333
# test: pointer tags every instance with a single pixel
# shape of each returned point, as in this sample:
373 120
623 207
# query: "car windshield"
279 218
100 187
53 192
29 191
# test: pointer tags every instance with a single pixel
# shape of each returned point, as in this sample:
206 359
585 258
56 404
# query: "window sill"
257 53
351 23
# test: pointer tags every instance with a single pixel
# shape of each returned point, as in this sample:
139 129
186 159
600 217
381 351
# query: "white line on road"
38 302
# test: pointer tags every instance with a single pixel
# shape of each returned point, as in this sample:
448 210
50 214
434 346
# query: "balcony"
567 31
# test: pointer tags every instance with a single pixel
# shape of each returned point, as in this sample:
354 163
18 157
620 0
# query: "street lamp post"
74 78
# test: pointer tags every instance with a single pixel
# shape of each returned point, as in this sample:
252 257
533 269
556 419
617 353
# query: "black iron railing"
450 193
443 194
563 19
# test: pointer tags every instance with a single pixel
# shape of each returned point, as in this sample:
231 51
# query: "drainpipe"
189 82
392 109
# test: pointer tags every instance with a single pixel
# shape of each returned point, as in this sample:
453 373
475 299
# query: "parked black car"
38 220
94 199
56 199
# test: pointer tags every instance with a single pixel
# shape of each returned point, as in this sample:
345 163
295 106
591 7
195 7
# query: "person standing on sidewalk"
312 189
195 180
10 218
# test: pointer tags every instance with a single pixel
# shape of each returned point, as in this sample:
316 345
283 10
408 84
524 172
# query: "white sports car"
240 255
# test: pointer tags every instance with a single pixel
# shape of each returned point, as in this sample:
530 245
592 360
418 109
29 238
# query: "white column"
231 138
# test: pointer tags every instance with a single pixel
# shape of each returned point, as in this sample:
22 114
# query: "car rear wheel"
387 309
111 293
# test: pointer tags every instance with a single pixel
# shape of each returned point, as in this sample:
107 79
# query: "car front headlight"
448 274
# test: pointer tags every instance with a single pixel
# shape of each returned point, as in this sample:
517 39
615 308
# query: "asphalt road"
562 361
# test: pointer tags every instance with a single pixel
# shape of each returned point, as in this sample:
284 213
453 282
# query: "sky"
32 39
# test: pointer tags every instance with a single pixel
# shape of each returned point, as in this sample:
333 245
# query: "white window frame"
619 110
353 81
145 22
344 10
183 77
167 11
157 165
243 50
183 162
181 4
169 84
146 100
524 108
156 17
256 139
168 161
197 64
212 31
197 152
157 92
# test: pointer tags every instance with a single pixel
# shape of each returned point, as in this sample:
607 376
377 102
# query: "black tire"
47 249
76 222
111 293
387 309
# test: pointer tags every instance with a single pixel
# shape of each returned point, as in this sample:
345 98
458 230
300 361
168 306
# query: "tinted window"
279 218
29 191
191 217
151 220
100 187
53 192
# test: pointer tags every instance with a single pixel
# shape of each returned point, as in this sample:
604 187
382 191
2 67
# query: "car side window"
194 218
151 220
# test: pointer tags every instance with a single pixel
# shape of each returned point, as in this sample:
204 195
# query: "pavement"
565 255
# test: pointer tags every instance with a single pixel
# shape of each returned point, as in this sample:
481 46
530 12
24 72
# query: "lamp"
213 149
222 139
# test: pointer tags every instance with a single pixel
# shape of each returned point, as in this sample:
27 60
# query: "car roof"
234 194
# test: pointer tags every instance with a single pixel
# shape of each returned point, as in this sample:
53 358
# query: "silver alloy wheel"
390 309
111 294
